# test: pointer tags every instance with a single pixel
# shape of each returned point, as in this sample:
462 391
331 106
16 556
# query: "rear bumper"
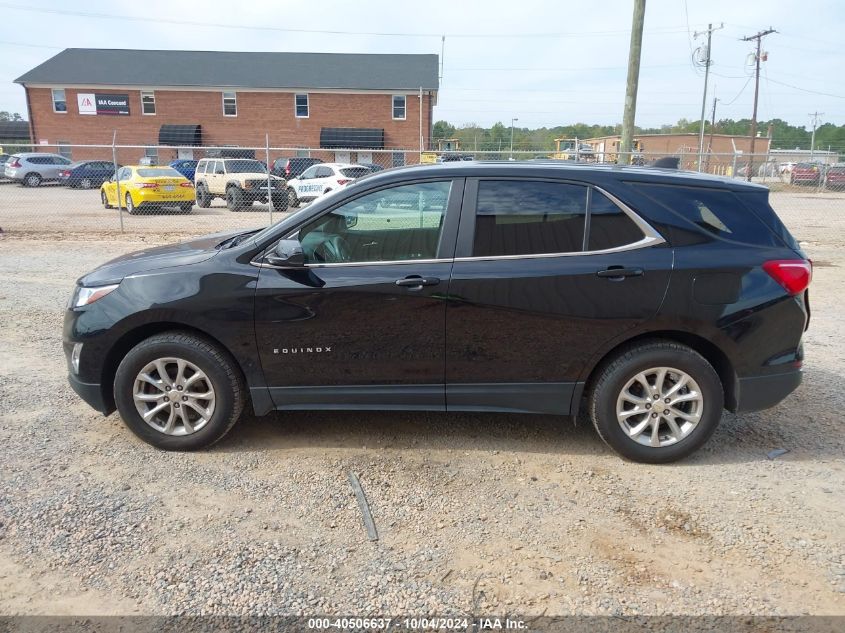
762 392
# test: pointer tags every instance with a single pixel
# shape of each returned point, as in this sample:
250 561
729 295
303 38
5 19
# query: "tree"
10 116
443 129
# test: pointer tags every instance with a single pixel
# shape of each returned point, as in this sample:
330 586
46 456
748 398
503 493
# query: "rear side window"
610 227
716 211
529 217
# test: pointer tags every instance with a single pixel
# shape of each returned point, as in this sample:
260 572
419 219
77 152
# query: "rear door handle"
415 282
619 272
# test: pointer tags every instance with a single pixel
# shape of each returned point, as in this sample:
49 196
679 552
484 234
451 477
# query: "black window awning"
180 135
351 138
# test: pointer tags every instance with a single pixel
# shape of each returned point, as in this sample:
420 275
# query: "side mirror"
350 220
288 254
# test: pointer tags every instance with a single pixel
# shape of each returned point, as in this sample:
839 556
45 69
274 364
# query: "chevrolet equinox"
649 299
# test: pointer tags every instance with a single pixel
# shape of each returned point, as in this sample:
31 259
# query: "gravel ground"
476 512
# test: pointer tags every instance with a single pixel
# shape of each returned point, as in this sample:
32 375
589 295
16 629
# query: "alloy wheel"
174 396
659 406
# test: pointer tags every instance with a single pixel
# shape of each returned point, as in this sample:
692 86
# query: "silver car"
33 168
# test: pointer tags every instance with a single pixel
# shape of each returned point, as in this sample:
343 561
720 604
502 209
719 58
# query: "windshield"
244 166
159 172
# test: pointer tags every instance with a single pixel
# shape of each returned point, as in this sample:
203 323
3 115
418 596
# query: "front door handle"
619 272
415 282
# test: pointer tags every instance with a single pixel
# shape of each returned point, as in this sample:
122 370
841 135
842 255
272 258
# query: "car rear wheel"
86 183
178 391
203 197
31 180
130 205
293 201
104 200
235 199
656 402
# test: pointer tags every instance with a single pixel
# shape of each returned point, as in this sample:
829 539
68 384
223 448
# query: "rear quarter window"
718 212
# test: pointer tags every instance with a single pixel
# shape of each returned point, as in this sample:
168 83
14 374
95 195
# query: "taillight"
149 185
793 274
186 184
341 181
15 163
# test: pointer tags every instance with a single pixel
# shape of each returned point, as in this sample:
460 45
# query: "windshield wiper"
236 239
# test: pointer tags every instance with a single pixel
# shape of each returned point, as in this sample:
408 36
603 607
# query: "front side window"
59 102
399 103
516 217
396 224
230 104
148 103
301 107
311 172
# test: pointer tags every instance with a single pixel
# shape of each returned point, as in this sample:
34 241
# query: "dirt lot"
484 513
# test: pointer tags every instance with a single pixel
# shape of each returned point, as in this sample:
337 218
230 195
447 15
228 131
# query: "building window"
230 104
399 107
59 103
150 155
65 149
148 103
301 106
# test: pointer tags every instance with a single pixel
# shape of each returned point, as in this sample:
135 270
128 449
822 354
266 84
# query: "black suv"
652 299
290 168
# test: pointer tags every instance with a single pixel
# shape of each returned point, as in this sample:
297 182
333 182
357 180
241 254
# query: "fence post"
116 179
269 183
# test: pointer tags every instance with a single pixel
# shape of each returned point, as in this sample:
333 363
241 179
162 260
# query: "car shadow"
740 438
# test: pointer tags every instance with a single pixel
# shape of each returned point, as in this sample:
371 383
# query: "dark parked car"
290 168
652 299
185 167
835 177
373 167
87 174
805 174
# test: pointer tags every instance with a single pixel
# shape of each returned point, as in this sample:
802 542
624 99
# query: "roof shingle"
153 68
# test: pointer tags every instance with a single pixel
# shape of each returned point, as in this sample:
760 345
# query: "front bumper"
762 392
92 393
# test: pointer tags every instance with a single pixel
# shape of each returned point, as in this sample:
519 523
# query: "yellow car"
143 187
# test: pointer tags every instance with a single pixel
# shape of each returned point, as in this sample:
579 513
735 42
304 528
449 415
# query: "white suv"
239 181
318 180
33 168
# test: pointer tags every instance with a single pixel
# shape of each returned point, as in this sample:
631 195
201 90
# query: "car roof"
550 168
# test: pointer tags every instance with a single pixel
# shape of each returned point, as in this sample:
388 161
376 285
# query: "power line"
815 92
759 39
253 27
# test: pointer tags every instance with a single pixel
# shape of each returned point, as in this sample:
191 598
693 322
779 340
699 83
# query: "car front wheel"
293 201
32 180
104 200
203 197
86 183
656 402
178 391
235 199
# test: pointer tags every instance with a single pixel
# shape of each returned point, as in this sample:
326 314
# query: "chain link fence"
176 192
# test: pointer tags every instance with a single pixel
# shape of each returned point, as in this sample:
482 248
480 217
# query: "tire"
131 209
221 379
235 199
293 201
86 183
186 207
616 382
280 203
32 180
105 200
203 197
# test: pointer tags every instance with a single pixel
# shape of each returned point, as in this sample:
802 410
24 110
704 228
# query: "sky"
545 63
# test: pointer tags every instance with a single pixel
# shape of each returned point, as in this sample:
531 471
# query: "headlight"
84 296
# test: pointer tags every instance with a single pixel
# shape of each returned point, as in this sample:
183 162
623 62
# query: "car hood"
250 175
181 254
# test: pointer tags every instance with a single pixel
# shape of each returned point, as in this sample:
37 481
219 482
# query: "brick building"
169 102
720 148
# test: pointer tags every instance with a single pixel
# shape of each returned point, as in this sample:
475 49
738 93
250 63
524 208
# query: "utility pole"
511 153
707 61
759 37
815 116
712 129
634 53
